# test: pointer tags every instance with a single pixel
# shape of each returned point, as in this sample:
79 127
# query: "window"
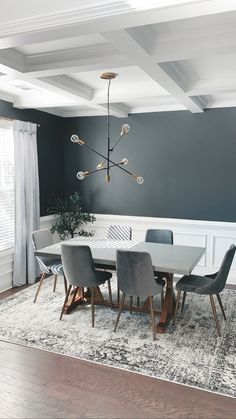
7 200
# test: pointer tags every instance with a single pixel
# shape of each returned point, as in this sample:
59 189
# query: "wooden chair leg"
65 283
92 303
110 293
65 301
55 283
120 310
131 304
183 302
152 318
213 307
221 306
43 276
118 293
176 306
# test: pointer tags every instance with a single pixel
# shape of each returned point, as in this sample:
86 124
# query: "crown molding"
124 13
64 18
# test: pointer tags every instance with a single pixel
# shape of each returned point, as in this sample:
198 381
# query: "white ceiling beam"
8 97
74 60
70 86
125 41
12 59
212 86
82 66
121 95
119 110
36 30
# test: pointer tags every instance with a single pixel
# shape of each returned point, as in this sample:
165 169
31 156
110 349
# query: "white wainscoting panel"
215 236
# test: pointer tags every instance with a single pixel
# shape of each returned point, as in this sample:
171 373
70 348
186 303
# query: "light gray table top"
165 257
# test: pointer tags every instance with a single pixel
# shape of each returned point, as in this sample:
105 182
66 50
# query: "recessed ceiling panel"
62 44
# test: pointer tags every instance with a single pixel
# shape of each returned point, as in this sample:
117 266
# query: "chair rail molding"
215 236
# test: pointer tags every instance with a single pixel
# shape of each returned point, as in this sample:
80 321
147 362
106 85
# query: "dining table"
169 259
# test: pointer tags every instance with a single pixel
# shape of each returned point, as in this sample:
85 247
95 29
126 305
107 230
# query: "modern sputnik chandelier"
107 164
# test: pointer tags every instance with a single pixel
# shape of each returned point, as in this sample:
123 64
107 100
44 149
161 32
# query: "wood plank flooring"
39 384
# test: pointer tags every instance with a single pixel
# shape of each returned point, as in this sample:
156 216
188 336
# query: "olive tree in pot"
70 217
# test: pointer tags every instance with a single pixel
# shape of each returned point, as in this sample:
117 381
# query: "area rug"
189 353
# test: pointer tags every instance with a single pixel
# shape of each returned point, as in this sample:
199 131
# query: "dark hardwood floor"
40 384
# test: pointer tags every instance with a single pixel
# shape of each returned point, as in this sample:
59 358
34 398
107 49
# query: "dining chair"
119 232
80 272
48 265
136 278
211 285
159 236
164 237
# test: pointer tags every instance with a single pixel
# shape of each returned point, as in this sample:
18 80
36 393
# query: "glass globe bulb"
100 166
140 180
124 129
74 138
124 161
80 175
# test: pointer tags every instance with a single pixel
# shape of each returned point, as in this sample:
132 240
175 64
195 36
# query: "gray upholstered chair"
80 272
136 278
164 237
119 232
159 236
48 265
210 285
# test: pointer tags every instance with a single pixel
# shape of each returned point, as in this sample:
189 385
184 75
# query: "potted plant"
70 217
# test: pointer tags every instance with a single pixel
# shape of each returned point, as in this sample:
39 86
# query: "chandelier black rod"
108 131
103 168
108 160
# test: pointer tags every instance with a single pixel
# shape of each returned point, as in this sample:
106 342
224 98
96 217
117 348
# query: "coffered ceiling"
168 54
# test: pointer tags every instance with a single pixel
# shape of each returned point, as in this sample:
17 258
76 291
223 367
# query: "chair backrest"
42 238
159 236
219 282
119 232
135 273
78 265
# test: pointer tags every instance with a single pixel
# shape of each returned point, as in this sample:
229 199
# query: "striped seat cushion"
51 266
119 232
57 269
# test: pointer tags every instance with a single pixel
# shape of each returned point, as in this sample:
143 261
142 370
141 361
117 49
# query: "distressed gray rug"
189 353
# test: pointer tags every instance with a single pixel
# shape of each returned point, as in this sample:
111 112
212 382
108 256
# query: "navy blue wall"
187 161
50 140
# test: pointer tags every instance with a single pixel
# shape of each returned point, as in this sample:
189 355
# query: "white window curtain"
27 214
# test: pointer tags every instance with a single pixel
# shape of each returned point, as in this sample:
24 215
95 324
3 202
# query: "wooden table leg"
168 306
77 297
